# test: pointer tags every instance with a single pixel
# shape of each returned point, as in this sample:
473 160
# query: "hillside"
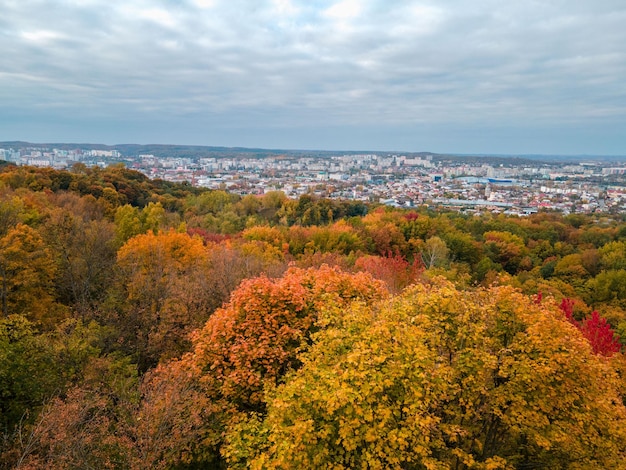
148 324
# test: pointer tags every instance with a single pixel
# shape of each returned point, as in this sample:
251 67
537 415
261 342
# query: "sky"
458 76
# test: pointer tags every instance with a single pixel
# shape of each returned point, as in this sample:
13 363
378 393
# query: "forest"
149 324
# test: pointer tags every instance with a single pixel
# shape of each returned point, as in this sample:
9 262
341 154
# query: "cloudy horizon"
459 76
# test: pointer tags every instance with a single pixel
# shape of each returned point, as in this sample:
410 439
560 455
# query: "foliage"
89 427
394 270
250 343
441 378
163 299
255 338
26 271
84 255
106 276
595 329
34 367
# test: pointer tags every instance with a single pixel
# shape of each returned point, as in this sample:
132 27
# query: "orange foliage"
255 338
164 281
249 343
394 270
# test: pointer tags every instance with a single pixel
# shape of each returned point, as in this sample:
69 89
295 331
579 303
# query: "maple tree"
394 270
441 378
249 343
26 273
162 293
254 339
595 329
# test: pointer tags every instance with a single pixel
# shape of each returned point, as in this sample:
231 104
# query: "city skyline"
463 77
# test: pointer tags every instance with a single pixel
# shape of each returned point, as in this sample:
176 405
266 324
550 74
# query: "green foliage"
613 255
609 287
131 221
34 367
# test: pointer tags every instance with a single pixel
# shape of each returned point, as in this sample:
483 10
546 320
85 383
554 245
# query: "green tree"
34 367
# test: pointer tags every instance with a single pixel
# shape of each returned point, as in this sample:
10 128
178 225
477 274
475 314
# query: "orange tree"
161 296
248 344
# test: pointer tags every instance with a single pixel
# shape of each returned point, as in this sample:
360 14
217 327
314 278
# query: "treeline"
148 324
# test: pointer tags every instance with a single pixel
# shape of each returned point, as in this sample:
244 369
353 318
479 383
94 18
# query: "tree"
131 221
162 294
90 426
608 286
84 255
394 270
595 329
441 378
36 366
570 266
255 338
27 370
434 253
11 208
463 248
600 335
506 249
613 255
26 273
249 344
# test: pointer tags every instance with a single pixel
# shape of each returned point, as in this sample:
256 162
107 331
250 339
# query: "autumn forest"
154 325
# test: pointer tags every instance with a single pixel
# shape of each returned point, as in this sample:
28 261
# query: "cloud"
293 64
344 10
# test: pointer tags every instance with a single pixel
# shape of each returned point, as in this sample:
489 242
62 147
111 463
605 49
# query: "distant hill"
198 151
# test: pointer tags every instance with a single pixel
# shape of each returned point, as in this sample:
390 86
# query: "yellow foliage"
443 378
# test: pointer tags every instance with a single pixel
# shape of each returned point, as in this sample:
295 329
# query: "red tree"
599 333
596 329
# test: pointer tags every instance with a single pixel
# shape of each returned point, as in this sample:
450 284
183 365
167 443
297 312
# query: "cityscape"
518 186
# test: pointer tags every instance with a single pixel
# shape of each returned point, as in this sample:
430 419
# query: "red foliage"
598 332
410 216
206 236
567 307
394 270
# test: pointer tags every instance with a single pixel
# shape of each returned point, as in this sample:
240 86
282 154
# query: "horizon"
313 150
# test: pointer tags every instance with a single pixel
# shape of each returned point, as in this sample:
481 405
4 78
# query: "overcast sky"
465 76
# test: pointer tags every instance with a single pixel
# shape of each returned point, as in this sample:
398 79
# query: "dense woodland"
148 324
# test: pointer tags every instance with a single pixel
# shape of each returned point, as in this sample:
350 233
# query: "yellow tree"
250 343
441 379
26 274
163 297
